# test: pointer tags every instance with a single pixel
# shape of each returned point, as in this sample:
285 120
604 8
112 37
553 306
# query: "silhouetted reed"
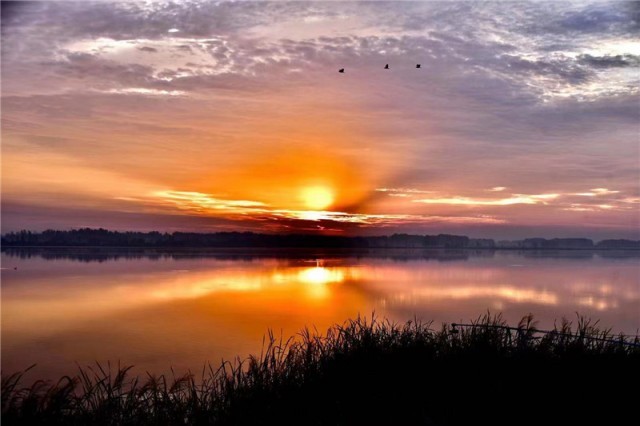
366 371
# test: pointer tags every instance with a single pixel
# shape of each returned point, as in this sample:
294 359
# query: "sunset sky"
523 119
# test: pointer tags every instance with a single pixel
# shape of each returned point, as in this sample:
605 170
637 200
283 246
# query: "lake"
179 309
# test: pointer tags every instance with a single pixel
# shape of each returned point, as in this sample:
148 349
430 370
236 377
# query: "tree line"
88 237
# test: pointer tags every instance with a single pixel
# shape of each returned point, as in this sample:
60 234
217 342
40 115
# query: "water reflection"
182 309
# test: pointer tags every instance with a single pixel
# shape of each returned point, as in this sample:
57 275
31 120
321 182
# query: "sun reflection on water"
320 275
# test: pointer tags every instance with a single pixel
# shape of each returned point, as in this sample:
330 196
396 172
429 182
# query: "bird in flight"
386 67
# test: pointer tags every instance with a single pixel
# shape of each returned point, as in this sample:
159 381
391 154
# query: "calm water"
182 309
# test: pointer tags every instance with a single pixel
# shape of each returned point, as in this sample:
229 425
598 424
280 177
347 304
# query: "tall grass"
365 371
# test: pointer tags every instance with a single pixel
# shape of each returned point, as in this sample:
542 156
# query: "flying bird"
386 67
341 70
418 66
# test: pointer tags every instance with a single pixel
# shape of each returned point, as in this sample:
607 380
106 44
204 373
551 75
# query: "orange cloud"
198 203
517 199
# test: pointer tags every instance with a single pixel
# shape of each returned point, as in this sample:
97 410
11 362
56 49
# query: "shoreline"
120 247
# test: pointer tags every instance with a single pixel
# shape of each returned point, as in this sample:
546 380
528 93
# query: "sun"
317 197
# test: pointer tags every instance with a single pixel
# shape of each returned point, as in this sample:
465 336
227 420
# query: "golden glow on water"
500 292
320 275
158 313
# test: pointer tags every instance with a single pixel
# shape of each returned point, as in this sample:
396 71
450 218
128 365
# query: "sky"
522 119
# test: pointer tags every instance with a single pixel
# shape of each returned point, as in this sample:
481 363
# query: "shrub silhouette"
365 371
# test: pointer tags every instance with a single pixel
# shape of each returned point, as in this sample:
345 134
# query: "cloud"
247 210
537 97
610 61
516 199
596 192
403 191
594 18
143 91
199 202
597 199
147 49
